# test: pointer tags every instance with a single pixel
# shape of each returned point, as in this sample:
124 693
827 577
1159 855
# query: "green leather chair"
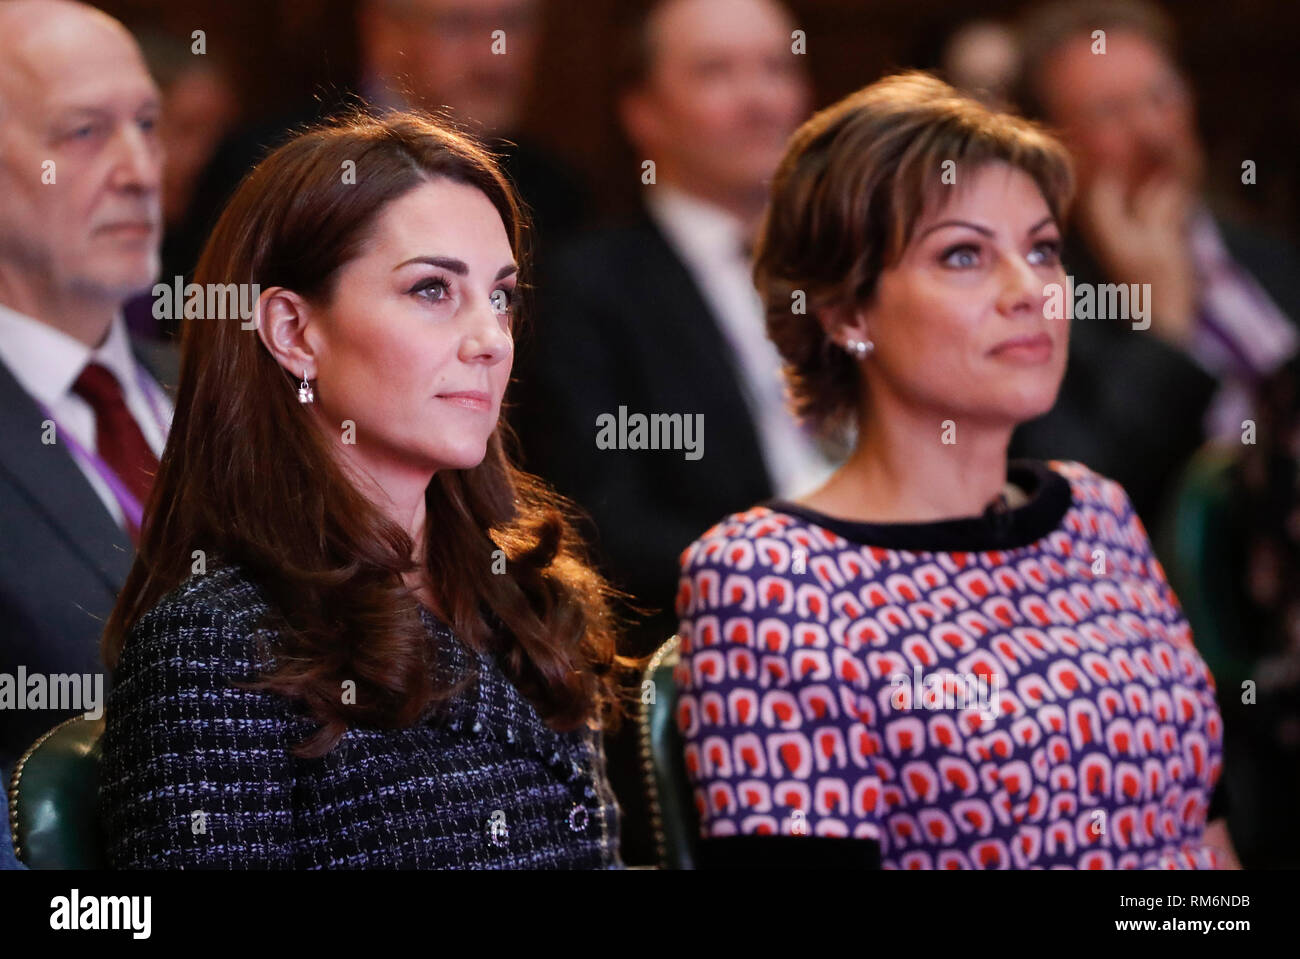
1200 544
1204 550
53 799
673 817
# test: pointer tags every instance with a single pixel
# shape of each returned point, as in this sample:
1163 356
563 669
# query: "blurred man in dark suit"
82 421
475 57
478 57
1136 403
1224 300
659 317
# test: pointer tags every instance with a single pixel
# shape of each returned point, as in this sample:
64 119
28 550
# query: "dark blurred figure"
430 54
1223 303
982 59
82 415
660 316
199 107
1254 616
434 53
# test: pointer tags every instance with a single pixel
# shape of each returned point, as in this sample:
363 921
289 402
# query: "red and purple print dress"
829 668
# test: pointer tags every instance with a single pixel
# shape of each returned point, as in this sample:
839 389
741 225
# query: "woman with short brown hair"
852 185
939 659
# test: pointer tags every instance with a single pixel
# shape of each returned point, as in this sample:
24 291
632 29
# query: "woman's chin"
463 458
1031 400
1033 408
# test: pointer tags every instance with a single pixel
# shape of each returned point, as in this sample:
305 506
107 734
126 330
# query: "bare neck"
917 465
84 318
398 493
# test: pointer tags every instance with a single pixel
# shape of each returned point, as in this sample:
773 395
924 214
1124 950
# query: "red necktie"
118 439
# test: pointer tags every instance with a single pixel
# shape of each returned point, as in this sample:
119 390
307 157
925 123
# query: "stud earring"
860 348
305 394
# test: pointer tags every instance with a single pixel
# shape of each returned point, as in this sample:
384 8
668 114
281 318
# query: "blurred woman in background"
355 635
939 659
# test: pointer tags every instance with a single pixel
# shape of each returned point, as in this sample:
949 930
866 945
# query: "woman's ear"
283 319
845 324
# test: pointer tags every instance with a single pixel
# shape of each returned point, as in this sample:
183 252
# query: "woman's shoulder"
762 535
1088 487
1100 509
218 604
756 557
218 587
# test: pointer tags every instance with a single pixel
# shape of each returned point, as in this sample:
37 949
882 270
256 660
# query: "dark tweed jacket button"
578 817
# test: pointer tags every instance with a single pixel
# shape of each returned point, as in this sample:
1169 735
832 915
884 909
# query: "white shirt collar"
701 231
46 361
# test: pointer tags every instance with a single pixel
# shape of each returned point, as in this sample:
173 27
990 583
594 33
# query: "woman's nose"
487 339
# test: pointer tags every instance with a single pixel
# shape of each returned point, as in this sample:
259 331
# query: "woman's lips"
1035 348
470 399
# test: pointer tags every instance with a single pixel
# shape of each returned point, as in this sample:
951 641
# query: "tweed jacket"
198 773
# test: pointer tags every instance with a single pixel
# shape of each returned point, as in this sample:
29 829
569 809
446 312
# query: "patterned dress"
1017 690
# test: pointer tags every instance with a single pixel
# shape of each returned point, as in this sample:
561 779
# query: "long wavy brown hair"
247 477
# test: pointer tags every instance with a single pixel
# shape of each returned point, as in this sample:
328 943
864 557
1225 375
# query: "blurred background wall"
1241 59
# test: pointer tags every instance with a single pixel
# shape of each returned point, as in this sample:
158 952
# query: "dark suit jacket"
619 322
1131 407
62 557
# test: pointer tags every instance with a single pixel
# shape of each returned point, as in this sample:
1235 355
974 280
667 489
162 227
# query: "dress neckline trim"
998 527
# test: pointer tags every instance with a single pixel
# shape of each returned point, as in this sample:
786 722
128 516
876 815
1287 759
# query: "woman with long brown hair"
355 635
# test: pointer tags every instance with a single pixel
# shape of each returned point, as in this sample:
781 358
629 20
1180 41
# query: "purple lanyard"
132 508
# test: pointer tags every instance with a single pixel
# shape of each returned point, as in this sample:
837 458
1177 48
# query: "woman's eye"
426 289
961 256
1048 252
502 301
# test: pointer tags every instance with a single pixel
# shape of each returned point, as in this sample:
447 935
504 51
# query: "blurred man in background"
1137 404
477 57
81 421
1223 302
442 51
982 59
473 57
659 316
199 106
